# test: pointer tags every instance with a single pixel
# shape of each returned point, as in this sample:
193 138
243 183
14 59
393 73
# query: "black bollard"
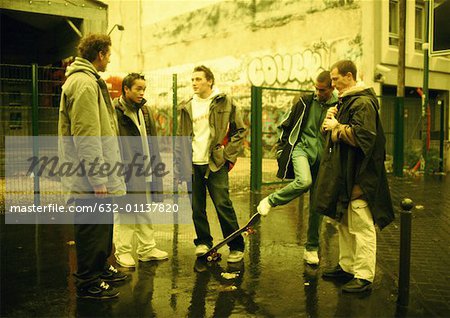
405 251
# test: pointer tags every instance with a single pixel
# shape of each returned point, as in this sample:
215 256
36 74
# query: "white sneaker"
311 257
235 256
264 206
201 250
125 260
154 255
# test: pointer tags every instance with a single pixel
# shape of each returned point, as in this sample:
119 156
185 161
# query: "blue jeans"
305 177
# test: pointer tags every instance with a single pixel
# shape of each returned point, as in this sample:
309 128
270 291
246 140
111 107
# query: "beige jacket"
88 133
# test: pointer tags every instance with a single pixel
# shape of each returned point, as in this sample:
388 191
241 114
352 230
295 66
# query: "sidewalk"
37 266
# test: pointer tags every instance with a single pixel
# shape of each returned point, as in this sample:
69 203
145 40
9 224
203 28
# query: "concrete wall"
280 43
266 43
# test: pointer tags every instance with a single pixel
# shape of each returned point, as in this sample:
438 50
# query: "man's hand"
100 191
329 123
331 112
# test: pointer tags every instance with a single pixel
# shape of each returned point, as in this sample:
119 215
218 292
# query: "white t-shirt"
201 129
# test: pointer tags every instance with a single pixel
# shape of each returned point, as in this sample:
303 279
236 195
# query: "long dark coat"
343 165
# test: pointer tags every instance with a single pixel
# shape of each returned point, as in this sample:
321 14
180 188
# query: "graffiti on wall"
302 67
235 76
298 67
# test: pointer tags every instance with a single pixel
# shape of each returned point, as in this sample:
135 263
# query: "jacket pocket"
358 204
217 156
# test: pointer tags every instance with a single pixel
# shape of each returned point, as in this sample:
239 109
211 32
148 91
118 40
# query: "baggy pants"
358 241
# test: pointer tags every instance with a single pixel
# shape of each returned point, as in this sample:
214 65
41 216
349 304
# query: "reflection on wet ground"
272 281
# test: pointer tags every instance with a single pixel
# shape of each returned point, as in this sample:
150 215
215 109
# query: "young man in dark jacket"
136 127
355 190
299 152
215 125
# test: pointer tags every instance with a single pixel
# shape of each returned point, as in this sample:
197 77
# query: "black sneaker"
357 285
112 275
337 272
102 291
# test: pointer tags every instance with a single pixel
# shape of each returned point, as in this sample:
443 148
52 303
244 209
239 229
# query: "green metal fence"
403 125
30 95
401 119
29 106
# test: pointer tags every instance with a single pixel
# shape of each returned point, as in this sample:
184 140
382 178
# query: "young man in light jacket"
88 137
217 131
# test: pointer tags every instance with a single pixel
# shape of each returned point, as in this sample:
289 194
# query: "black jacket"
285 144
344 166
132 146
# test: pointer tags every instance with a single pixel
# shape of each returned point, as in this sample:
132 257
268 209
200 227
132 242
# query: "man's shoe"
102 291
200 266
264 206
337 272
235 256
112 275
201 250
154 255
357 285
125 260
311 257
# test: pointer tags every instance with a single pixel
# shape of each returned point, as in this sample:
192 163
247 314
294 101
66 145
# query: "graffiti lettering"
298 67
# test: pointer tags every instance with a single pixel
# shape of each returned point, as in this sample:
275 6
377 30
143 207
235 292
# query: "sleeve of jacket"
236 135
85 128
156 186
363 124
285 127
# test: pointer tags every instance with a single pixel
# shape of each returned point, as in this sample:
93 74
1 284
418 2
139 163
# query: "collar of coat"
353 90
126 106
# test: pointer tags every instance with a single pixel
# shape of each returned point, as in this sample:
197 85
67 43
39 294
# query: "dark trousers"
217 185
93 238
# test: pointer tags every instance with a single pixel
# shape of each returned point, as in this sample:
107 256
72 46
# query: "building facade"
286 44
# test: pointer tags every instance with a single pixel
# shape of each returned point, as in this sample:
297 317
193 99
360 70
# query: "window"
419 28
393 22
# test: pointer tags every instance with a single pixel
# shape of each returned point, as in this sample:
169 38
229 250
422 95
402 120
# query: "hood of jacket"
81 65
186 105
215 92
359 91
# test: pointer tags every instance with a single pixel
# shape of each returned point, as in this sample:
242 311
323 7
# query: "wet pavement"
37 265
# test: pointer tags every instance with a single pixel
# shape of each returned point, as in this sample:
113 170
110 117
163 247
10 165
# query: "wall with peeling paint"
276 43
266 43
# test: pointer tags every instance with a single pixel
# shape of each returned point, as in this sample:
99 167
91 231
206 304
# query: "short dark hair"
128 80
324 77
345 66
92 44
208 74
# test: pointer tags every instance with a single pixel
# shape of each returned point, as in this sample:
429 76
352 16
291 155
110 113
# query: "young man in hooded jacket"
88 132
352 185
